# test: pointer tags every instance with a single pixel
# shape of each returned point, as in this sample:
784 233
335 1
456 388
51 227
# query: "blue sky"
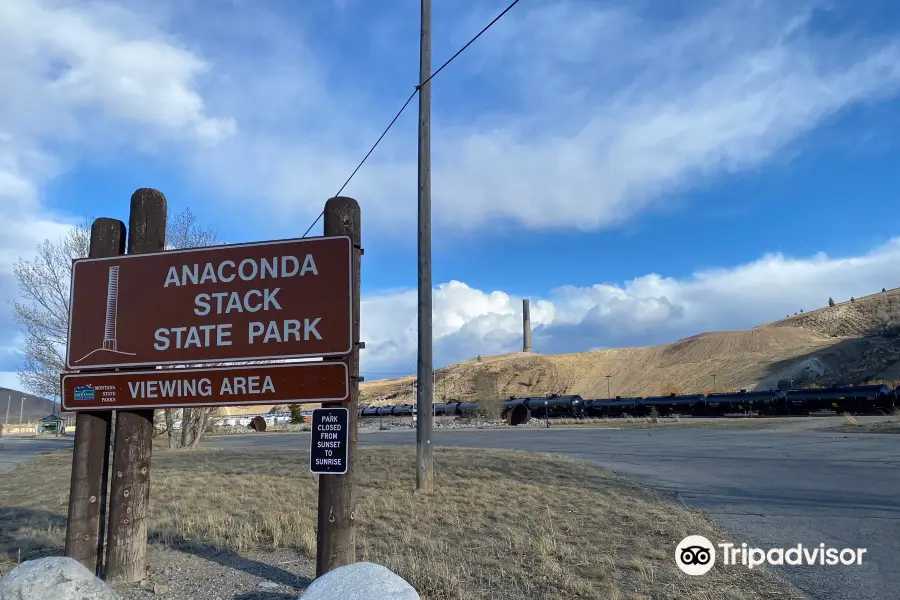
641 172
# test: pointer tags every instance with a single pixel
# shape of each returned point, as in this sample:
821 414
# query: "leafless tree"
182 231
43 313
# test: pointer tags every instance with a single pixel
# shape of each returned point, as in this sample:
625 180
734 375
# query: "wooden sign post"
336 534
285 299
90 456
129 494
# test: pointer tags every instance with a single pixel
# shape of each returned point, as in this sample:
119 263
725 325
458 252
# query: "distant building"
52 425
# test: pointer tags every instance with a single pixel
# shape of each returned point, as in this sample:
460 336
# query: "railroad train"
867 399
459 409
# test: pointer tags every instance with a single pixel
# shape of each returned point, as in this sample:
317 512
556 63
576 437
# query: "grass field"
889 424
500 525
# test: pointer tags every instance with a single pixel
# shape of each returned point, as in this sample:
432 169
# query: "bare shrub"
670 388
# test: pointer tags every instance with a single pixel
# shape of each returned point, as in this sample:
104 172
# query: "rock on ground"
360 581
53 578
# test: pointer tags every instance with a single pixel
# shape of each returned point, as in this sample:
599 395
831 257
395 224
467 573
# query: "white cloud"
83 78
92 75
590 115
646 111
79 79
578 115
65 64
24 225
647 310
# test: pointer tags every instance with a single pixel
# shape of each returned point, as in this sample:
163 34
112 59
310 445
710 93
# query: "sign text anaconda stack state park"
272 300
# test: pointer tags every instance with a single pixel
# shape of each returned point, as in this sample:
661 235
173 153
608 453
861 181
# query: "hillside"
32 409
848 343
877 315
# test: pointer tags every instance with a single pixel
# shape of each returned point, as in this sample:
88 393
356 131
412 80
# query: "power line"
469 43
408 100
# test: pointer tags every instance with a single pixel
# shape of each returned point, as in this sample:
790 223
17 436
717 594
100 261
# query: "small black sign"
329 441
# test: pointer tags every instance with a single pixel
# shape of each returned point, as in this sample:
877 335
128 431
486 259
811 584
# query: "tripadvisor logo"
696 555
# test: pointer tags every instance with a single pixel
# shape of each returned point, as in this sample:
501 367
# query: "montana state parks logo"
695 555
84 393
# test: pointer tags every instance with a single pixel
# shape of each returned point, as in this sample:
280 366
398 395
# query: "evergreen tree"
830 302
297 417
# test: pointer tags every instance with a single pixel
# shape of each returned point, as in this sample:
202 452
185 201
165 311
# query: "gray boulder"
54 578
360 581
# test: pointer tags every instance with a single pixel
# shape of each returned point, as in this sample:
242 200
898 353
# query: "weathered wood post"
90 458
336 535
130 491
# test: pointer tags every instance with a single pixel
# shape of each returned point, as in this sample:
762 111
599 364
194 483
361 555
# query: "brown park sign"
261 301
291 383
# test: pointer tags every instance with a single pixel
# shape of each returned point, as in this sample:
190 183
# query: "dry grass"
500 524
890 424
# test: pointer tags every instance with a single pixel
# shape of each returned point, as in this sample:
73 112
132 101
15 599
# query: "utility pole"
714 383
425 391
8 404
21 410
608 394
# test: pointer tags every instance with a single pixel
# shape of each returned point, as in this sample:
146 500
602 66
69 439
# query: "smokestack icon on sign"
110 341
112 308
526 326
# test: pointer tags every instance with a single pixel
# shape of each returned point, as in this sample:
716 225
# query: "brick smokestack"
526 326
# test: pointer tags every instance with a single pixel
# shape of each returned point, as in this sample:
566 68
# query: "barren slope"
847 343
874 315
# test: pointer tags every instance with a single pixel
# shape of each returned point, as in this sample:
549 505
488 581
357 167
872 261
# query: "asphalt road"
770 489
15 449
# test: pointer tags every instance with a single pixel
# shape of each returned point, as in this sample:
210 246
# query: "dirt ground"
500 524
